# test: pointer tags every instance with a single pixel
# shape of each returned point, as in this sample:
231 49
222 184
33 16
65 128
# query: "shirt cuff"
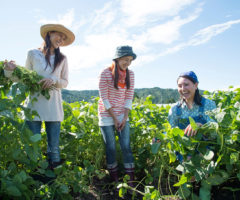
107 104
128 104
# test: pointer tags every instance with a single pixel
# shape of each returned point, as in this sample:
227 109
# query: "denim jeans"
108 133
53 133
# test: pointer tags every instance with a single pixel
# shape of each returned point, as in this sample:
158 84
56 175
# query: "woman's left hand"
10 66
189 130
122 125
46 83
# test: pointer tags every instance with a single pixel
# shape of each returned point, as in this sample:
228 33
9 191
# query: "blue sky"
169 37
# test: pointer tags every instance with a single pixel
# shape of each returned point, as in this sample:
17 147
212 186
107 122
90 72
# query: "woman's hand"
46 83
122 125
116 124
9 66
189 130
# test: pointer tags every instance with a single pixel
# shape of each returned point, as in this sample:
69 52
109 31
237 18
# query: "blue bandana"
190 74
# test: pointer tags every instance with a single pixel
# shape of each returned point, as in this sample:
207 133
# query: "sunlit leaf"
182 180
193 124
234 157
208 155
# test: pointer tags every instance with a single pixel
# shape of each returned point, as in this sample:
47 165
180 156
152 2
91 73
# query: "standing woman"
116 89
50 63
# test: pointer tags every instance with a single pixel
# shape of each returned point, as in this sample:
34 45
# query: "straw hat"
59 28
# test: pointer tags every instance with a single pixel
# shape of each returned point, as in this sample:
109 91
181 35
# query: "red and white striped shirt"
110 97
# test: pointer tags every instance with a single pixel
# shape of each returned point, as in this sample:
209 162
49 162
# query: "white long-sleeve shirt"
52 109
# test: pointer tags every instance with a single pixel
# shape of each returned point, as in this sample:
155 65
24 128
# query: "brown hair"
46 51
116 76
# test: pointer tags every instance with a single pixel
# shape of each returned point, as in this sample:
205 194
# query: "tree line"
159 95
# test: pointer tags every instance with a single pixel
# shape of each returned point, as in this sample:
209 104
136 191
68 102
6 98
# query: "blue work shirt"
180 112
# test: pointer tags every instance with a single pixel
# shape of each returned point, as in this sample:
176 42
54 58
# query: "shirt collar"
184 105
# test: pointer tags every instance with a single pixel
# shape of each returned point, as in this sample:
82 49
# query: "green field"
24 172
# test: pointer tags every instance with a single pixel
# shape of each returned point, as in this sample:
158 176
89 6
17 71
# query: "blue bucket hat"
190 74
122 51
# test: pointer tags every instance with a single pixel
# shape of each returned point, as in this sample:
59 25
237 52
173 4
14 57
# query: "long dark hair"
46 51
116 76
197 97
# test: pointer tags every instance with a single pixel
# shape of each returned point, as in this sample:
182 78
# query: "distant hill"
81 95
159 95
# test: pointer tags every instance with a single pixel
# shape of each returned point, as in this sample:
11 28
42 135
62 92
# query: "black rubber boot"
114 174
130 172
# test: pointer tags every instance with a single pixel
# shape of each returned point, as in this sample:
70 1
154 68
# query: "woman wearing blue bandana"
192 104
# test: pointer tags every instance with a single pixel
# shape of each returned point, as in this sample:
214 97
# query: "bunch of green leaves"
30 80
19 149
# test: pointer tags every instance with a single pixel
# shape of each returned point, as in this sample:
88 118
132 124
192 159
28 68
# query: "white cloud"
202 36
173 49
66 19
168 32
96 50
104 17
143 60
207 33
108 28
139 12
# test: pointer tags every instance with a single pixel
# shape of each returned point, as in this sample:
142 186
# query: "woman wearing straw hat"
116 89
50 63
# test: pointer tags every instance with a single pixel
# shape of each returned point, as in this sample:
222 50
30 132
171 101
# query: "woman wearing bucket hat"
116 89
50 63
191 104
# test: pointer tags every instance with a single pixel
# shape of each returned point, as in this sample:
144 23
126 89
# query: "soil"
104 189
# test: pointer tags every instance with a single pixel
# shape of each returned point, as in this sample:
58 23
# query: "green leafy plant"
213 164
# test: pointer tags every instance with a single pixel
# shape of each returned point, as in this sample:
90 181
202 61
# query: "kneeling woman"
116 89
191 104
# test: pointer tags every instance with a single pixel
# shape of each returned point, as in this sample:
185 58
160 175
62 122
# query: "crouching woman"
191 104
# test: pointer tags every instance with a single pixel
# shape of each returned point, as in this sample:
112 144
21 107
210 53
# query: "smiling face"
187 89
57 39
124 62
